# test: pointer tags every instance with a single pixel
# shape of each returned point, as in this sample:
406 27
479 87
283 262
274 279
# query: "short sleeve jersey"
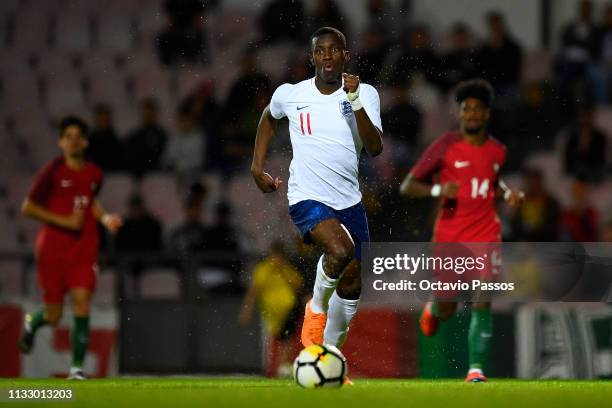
325 141
63 191
472 216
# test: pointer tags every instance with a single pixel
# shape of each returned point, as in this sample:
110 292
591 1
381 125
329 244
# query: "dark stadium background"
164 305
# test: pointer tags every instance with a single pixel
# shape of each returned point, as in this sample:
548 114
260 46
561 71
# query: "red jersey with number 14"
63 191
472 216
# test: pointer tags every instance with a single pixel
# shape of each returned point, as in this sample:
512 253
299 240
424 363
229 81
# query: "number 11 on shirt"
307 117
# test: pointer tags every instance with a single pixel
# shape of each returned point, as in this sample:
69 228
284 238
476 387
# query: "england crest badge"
345 109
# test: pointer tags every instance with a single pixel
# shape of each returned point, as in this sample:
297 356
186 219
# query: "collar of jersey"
319 93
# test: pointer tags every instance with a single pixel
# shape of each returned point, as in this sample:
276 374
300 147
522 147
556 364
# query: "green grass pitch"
255 392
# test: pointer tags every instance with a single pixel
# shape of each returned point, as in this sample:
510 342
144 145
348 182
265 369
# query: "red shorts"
57 275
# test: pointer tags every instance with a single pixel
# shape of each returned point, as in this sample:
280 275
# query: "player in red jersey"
63 197
462 168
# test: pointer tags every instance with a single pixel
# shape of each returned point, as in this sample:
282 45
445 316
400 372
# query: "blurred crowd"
395 55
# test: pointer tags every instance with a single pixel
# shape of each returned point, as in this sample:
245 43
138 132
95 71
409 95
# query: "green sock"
37 320
80 340
434 308
479 337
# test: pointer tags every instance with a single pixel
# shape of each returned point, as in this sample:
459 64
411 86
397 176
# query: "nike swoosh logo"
302 107
460 164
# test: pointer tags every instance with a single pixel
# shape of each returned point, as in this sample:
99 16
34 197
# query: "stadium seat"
160 283
64 93
19 92
273 60
25 37
115 31
105 288
106 87
10 279
162 197
73 31
190 79
115 192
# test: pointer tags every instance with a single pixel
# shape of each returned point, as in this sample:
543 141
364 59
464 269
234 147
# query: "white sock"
323 288
339 316
475 370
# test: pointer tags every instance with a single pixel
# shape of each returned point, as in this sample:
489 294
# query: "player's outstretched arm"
72 222
412 187
370 135
265 131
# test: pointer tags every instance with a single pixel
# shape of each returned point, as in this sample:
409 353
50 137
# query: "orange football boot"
428 322
313 327
475 377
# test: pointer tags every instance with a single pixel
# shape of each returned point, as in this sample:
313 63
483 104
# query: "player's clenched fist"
351 83
265 182
112 222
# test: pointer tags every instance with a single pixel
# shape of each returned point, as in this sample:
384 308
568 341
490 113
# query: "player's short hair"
72 120
475 88
328 30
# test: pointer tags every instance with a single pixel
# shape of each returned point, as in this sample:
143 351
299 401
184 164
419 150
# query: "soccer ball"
320 366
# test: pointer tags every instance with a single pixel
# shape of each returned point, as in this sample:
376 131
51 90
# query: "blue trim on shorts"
308 214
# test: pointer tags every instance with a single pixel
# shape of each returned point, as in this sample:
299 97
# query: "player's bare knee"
342 253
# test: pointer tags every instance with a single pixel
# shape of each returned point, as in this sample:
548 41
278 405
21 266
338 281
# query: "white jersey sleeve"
371 103
277 103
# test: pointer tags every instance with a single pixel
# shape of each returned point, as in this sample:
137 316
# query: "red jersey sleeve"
431 159
43 183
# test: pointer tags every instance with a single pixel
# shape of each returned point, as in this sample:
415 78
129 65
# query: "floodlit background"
173 91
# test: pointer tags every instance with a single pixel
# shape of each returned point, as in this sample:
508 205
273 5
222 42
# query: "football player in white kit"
332 116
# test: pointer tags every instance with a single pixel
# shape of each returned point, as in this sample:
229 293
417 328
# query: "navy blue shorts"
307 214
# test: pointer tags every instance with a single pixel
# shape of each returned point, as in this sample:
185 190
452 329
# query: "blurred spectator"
578 44
460 62
282 20
326 13
104 146
186 148
140 231
402 120
372 56
145 145
223 234
298 69
601 70
417 57
579 222
183 36
275 286
382 14
500 59
531 126
206 112
190 237
585 150
537 219
247 98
